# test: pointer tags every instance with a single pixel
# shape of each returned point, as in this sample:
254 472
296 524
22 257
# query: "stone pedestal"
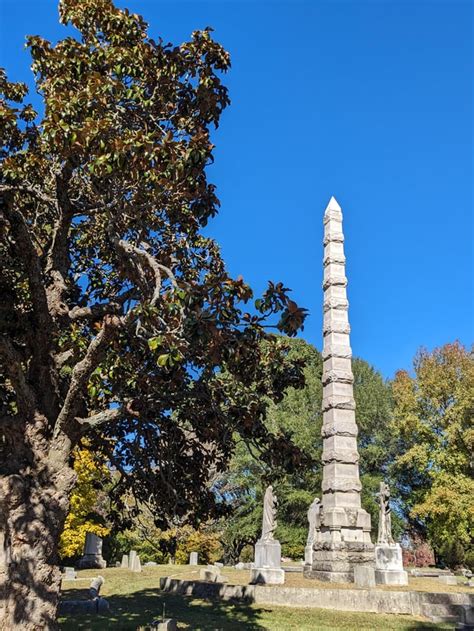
389 565
92 557
268 554
193 558
267 563
343 536
364 576
308 555
267 576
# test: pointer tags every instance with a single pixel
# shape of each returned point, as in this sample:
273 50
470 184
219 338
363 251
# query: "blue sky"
368 101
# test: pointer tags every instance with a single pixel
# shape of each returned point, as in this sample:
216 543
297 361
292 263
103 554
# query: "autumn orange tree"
119 322
433 427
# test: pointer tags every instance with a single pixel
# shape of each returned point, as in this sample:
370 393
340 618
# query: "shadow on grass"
127 612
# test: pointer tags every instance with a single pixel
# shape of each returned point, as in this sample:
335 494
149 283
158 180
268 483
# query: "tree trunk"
34 508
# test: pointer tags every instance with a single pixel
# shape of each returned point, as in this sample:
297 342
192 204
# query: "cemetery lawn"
135 599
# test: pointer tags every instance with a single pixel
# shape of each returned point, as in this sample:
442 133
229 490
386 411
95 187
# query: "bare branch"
62 358
97 311
154 266
100 418
31 190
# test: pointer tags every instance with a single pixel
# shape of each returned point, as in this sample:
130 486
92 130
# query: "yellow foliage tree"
85 503
433 424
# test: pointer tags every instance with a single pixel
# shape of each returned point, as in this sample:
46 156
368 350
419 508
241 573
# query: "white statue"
314 520
385 519
269 522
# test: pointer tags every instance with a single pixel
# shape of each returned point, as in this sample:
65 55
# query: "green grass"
135 599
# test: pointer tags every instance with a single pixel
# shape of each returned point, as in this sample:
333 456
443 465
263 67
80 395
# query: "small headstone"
448 580
169 624
118 564
69 574
217 564
364 576
239 566
150 564
131 558
124 562
193 558
470 582
137 566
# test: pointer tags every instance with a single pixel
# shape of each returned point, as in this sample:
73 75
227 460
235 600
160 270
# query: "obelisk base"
334 562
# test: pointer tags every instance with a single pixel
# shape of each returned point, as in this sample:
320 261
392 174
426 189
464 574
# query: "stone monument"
92 557
314 525
388 554
342 540
267 566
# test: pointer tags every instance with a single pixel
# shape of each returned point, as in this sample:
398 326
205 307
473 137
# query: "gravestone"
136 565
448 580
169 624
342 540
124 562
131 558
193 558
212 574
69 574
92 557
388 554
267 565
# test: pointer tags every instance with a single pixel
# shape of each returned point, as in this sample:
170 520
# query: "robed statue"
385 519
269 522
314 520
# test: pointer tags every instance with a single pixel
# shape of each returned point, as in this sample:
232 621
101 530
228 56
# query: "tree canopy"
433 427
119 320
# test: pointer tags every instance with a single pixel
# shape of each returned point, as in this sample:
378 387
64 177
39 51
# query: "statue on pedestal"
269 522
267 565
388 554
385 518
314 519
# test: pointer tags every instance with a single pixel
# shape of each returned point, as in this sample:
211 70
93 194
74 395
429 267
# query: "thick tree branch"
23 237
82 372
100 418
12 366
57 262
97 311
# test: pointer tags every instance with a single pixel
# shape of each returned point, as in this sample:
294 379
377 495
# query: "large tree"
433 427
119 321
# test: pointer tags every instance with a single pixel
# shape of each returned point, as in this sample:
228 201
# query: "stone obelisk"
343 540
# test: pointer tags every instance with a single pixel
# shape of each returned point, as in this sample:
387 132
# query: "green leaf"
154 342
163 359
